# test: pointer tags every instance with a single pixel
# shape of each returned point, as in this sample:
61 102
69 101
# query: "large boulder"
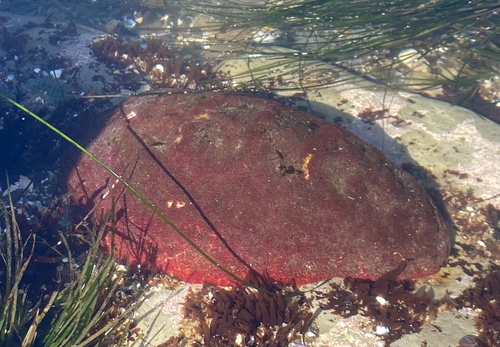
256 185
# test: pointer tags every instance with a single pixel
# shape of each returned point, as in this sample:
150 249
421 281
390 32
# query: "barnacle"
157 62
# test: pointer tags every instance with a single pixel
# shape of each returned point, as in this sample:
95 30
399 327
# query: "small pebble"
468 341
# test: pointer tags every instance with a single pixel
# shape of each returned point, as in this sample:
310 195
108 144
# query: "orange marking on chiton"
202 116
305 165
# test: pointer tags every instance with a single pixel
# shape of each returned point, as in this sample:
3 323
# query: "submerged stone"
256 185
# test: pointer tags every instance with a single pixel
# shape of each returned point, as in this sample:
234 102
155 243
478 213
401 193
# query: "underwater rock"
256 185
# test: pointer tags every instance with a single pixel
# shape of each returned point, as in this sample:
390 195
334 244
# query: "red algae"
259 186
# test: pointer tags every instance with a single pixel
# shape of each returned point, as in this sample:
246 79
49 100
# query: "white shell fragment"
23 183
381 300
56 73
159 68
381 330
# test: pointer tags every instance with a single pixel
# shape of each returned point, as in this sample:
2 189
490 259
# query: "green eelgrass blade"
19 317
131 189
31 334
338 31
83 306
86 301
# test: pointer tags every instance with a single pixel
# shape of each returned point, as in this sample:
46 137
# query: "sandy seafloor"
459 148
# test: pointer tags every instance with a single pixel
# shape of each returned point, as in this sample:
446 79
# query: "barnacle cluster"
245 316
158 63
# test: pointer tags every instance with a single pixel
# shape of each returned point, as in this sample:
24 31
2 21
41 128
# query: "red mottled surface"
255 182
